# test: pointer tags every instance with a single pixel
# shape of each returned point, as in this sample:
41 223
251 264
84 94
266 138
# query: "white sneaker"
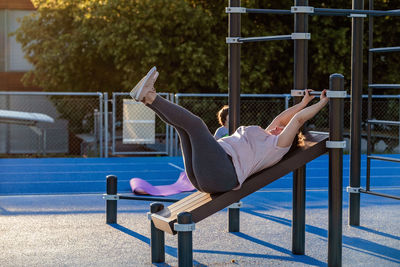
137 92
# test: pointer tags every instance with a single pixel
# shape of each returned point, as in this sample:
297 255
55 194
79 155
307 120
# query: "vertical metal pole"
106 125
185 241
8 126
234 94
287 98
157 241
299 175
101 105
114 120
336 83
370 73
111 205
356 111
176 133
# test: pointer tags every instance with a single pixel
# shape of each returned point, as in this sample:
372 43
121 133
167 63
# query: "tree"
83 45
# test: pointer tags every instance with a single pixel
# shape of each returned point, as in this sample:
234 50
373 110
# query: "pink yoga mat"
141 187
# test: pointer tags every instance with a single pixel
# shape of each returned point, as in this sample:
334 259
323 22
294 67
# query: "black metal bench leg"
157 241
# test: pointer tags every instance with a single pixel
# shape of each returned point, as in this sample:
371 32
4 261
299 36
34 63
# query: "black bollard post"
336 145
184 227
234 217
111 204
157 241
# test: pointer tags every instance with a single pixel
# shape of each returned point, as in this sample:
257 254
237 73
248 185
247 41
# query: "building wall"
18 139
16 4
13 65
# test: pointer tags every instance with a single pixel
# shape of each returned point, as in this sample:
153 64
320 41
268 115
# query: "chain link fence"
262 109
80 129
76 131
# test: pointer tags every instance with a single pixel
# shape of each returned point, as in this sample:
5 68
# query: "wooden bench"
202 205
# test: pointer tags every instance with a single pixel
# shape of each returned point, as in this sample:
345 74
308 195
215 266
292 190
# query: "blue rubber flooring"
88 175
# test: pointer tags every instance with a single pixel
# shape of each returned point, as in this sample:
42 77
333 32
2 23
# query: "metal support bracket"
184 227
357 16
110 197
302 9
336 94
236 205
235 10
233 40
354 190
336 144
301 36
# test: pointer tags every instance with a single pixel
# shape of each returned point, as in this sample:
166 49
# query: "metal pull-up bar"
293 36
314 11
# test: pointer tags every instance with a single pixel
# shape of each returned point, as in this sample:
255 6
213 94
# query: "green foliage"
84 45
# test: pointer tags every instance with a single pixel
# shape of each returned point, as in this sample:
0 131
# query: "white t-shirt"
252 149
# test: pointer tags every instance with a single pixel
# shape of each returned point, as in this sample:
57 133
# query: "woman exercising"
218 166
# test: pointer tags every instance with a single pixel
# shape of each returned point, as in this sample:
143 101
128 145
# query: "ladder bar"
265 38
385 49
330 11
149 198
268 11
383 86
379 194
384 158
384 122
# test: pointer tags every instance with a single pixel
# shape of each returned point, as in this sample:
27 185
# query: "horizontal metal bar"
265 38
50 93
384 158
329 12
149 198
384 122
384 86
378 194
226 95
269 11
128 94
385 49
178 95
141 153
332 11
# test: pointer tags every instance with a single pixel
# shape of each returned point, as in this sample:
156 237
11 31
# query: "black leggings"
207 165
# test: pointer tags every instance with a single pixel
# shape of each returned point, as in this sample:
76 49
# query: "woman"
217 166
223 118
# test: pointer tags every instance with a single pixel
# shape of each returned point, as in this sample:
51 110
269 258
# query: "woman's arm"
290 131
283 118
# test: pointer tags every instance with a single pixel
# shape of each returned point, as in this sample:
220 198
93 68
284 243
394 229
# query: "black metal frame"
112 197
336 127
370 121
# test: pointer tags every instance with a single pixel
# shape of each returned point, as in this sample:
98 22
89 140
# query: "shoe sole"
135 93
